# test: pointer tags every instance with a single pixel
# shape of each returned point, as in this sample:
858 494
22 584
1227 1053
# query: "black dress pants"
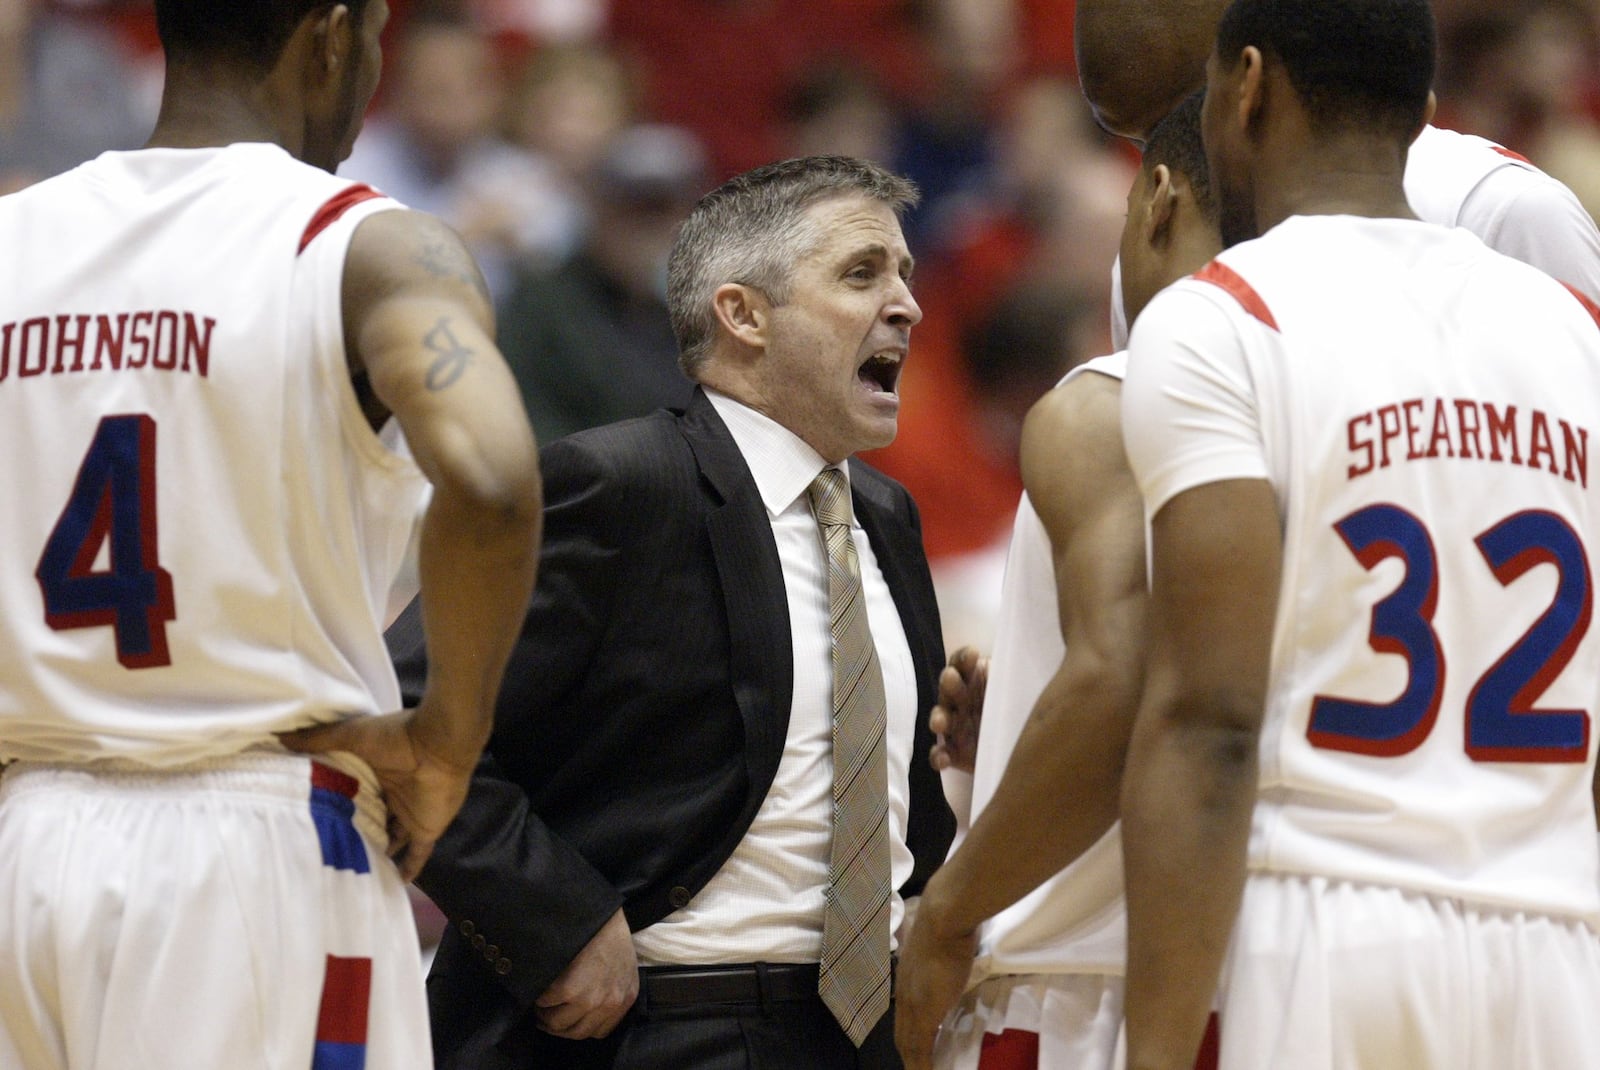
741 1024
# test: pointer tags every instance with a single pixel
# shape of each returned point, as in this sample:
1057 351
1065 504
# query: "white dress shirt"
765 903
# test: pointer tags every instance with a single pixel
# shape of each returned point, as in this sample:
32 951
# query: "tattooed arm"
419 326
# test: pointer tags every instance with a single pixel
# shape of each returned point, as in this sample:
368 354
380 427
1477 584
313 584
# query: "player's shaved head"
1138 59
249 33
1361 63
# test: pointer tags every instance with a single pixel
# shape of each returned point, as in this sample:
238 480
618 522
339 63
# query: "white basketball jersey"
1460 180
201 529
1423 409
1075 922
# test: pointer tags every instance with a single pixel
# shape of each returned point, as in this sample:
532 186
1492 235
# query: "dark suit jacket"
643 714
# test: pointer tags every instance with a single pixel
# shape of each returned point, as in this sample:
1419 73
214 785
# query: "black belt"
757 982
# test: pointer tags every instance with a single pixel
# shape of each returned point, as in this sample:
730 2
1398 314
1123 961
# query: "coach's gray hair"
752 230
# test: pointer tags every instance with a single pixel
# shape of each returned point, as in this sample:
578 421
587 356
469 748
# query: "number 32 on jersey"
113 500
1502 724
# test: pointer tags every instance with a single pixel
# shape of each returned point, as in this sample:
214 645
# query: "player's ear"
332 35
744 312
1427 113
1161 201
1251 74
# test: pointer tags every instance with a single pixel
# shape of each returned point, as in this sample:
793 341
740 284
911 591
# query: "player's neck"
1348 176
198 111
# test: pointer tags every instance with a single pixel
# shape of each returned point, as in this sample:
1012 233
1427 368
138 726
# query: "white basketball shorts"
238 914
1330 975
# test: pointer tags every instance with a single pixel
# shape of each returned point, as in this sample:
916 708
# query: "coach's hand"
423 777
955 721
596 989
933 971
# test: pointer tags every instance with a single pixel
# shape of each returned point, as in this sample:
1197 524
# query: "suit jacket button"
491 952
502 967
478 942
679 897
468 929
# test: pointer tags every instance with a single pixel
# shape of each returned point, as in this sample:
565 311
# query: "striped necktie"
854 978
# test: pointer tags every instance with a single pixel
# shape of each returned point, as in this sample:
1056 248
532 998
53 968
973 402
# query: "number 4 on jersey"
114 498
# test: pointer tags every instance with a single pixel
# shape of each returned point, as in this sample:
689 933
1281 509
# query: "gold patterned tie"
854 978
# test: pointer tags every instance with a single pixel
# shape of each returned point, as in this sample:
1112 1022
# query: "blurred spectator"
66 94
548 21
946 145
837 108
589 341
725 68
434 147
1519 74
565 106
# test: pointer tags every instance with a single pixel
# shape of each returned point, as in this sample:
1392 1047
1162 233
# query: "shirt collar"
780 461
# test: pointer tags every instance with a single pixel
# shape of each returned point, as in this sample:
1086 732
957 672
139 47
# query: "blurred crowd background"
566 138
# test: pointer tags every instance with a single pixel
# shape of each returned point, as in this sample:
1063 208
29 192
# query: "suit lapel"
761 661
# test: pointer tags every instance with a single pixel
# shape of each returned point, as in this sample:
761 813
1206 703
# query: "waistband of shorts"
269 774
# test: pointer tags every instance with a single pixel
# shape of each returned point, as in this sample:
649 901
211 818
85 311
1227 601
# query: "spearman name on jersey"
1434 672
1075 921
1461 180
201 529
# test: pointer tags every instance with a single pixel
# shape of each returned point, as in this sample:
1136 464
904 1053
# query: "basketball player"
1364 747
1063 685
1451 178
201 344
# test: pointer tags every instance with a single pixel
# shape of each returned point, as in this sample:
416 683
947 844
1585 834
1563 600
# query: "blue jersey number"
113 500
1501 722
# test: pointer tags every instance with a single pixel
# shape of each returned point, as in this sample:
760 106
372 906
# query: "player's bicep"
1216 554
1084 492
420 323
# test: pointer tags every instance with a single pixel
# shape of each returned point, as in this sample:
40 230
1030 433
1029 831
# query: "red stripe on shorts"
336 206
346 990
325 776
1015 1049
1221 275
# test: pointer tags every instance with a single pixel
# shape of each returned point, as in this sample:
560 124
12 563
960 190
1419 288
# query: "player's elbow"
497 486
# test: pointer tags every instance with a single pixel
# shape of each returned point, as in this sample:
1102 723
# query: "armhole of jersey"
1112 366
323 249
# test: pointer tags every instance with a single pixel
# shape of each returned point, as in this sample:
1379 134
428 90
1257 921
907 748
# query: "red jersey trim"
1221 275
1588 305
331 211
1508 154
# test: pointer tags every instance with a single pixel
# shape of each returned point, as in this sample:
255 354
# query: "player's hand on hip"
956 719
932 974
596 989
423 785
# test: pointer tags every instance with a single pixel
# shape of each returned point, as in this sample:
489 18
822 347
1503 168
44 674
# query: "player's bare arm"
419 321
1060 791
1191 779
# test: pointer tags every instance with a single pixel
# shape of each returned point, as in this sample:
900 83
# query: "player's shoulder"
1458 179
1080 407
